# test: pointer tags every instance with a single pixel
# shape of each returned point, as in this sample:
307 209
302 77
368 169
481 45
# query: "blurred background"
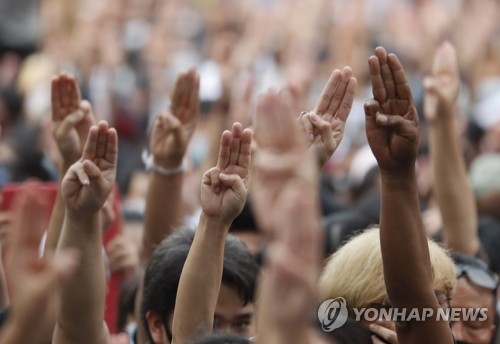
126 55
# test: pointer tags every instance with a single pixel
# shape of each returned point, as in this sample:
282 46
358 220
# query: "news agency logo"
332 314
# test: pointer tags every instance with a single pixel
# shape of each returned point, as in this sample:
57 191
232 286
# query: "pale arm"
223 195
452 188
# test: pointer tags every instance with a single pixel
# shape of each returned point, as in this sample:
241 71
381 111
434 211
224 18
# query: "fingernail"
223 176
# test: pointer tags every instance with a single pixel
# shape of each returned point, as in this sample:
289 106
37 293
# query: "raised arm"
85 188
71 121
284 185
223 195
392 132
325 124
32 280
453 191
170 136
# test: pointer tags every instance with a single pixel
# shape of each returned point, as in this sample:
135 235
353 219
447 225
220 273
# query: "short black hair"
163 273
221 338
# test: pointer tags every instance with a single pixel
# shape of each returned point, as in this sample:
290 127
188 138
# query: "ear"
156 328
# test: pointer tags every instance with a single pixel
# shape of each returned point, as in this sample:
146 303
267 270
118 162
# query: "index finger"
245 149
403 90
55 98
224 150
378 87
326 95
194 97
74 92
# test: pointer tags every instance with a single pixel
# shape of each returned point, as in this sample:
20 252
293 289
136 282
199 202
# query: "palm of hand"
165 142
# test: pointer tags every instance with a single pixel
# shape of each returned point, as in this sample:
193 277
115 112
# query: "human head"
235 306
355 271
476 288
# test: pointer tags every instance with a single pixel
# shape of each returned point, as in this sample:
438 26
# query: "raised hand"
89 181
284 195
443 86
325 124
391 117
32 280
282 156
172 130
71 117
223 189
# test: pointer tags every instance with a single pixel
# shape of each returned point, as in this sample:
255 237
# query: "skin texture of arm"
85 188
223 196
71 120
170 137
392 132
169 140
452 188
284 183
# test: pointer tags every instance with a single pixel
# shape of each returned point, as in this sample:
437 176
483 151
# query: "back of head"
355 271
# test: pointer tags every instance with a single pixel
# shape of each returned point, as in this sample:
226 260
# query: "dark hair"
221 338
165 267
245 222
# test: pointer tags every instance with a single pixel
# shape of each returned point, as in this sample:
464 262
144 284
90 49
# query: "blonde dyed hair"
355 271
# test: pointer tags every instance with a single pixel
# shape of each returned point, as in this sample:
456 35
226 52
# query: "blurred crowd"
126 56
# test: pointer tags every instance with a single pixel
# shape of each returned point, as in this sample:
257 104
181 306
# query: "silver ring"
303 113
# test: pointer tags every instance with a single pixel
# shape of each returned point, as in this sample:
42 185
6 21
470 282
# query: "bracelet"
150 165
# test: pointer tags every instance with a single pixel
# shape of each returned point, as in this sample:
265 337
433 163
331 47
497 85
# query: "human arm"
392 132
169 140
223 195
71 120
452 188
85 188
284 190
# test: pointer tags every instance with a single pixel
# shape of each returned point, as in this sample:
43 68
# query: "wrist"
397 178
163 166
86 216
215 222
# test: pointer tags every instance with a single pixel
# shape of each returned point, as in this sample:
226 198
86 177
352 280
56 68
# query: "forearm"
203 267
15 333
82 299
57 217
405 253
453 191
163 210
